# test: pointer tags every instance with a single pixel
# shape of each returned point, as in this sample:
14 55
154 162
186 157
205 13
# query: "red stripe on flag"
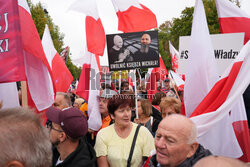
83 86
135 19
242 133
235 25
95 36
61 74
220 90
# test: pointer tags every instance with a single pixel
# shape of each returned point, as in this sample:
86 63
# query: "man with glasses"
67 130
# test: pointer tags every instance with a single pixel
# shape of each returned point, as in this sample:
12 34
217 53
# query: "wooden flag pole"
24 93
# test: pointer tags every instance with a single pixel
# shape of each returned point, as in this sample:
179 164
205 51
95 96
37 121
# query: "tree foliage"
172 30
41 17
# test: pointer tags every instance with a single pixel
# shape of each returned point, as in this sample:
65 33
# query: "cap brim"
52 114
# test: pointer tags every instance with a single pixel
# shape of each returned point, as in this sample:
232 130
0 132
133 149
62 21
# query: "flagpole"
136 105
24 93
172 80
120 80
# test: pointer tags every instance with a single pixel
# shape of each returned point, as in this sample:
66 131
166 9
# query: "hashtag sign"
182 54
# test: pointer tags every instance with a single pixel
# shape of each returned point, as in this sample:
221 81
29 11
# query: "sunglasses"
50 126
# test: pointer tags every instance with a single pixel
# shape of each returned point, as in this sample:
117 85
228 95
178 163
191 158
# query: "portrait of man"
145 53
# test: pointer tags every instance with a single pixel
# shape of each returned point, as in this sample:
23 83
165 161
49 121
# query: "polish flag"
38 72
61 74
131 76
89 89
178 80
174 57
154 75
201 76
222 100
95 34
133 16
232 19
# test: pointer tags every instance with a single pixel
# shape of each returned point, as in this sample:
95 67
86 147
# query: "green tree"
172 30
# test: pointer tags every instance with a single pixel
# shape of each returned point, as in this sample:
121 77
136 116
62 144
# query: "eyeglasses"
50 126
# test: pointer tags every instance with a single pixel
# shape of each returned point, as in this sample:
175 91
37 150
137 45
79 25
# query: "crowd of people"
160 136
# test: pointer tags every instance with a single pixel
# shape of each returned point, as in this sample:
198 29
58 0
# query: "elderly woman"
170 105
113 143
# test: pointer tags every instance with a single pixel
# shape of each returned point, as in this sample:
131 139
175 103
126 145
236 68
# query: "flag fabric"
61 74
201 73
95 34
155 75
223 98
133 16
38 72
9 95
88 88
64 54
174 57
11 55
178 80
232 19
200 78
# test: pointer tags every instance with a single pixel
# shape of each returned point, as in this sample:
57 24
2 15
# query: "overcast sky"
72 25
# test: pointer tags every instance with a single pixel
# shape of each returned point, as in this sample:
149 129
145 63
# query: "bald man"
218 161
117 54
176 143
145 53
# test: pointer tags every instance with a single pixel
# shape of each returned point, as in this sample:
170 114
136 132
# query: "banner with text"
133 50
226 49
11 55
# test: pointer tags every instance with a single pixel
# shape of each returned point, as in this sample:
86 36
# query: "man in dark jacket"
68 128
175 143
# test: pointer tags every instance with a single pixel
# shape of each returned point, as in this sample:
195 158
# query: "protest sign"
133 50
226 49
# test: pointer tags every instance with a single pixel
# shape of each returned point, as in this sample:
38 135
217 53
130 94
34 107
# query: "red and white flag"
89 89
232 19
95 34
201 73
153 76
61 74
178 80
133 16
38 72
221 101
11 54
174 57
200 78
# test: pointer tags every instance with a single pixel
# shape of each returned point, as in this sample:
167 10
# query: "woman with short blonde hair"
170 105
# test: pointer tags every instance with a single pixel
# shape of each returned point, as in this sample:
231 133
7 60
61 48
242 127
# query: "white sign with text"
226 49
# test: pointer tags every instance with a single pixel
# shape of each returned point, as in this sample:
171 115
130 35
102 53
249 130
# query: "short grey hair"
66 97
193 134
23 138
